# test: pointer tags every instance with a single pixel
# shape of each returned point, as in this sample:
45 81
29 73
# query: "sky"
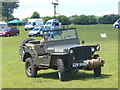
66 7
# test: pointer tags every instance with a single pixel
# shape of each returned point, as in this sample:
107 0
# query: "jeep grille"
82 53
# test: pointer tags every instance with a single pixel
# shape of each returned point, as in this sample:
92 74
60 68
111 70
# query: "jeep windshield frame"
61 36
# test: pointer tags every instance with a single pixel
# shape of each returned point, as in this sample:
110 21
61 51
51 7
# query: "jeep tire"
26 41
61 69
30 68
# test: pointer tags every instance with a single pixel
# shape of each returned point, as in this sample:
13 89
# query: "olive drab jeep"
62 51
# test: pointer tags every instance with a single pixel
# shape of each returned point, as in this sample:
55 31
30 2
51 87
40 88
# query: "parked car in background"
117 24
3 25
10 31
53 24
37 31
32 23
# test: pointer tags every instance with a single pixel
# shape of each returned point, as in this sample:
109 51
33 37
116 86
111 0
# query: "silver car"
37 31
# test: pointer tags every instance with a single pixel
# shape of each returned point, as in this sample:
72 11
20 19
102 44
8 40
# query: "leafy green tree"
108 19
92 19
63 19
26 19
7 10
74 19
35 15
45 19
83 19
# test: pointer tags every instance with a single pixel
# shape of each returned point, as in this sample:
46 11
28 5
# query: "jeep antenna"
56 11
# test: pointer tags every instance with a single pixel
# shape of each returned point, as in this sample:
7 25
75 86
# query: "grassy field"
13 71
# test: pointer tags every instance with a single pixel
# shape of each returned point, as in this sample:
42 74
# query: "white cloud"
106 13
44 7
96 1
32 2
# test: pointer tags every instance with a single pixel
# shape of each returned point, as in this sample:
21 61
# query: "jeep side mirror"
83 42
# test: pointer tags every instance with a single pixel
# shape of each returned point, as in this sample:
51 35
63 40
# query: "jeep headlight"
92 49
70 51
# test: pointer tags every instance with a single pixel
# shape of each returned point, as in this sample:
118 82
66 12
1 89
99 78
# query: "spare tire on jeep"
26 41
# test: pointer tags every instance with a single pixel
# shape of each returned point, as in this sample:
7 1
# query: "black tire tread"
61 69
34 68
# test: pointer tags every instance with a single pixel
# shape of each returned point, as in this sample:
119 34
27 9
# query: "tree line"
85 19
79 20
8 8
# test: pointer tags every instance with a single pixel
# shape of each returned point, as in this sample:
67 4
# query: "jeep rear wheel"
97 71
61 69
30 68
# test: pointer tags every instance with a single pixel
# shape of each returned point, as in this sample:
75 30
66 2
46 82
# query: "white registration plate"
78 64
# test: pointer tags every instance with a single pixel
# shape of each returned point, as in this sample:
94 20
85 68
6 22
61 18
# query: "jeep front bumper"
90 63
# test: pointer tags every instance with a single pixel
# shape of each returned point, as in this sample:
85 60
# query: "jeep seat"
37 48
40 50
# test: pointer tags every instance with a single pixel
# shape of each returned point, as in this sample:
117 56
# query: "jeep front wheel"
61 69
30 68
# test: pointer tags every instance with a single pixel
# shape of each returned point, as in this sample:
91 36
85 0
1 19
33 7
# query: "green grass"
13 71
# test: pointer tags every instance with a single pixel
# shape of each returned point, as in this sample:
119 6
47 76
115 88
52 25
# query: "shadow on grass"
73 76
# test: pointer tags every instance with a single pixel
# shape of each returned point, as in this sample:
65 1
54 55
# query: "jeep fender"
55 57
26 55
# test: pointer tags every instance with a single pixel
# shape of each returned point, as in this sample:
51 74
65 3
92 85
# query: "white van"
53 24
116 24
3 25
33 23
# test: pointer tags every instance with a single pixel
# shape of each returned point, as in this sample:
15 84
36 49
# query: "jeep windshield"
61 36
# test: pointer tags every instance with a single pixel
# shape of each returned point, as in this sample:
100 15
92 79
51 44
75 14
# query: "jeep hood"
67 46
62 47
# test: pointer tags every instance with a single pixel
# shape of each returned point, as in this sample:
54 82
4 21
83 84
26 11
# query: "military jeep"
60 50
